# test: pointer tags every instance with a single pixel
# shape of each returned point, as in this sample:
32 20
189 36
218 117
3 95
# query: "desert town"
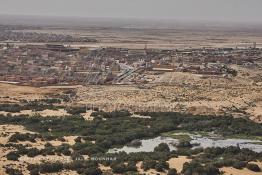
207 80
131 87
55 64
63 96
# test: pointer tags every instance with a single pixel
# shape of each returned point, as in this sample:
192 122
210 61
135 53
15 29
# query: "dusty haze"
207 10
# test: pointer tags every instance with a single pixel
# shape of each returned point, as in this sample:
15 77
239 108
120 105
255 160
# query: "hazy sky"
212 10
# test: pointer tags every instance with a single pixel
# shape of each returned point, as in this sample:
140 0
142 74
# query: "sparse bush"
148 164
33 152
239 165
184 144
34 172
162 147
253 167
92 171
12 156
77 157
50 167
172 172
118 168
11 171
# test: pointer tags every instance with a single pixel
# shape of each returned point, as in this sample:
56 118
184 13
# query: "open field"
169 37
51 144
184 92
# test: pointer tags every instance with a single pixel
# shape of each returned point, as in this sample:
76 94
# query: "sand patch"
178 162
70 139
14 93
87 116
48 112
104 168
245 171
44 113
234 171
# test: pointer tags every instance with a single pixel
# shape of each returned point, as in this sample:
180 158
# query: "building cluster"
58 64
11 36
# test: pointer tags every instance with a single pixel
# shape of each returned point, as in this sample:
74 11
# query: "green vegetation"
45 168
120 129
244 136
12 171
32 105
162 147
23 137
172 172
240 165
12 156
253 167
76 110
177 135
196 168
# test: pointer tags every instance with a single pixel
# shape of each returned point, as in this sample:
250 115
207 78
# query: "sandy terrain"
171 91
104 168
87 115
44 113
181 92
7 130
178 162
70 139
14 93
245 171
177 36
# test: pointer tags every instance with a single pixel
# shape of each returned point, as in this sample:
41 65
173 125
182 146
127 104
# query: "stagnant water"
148 145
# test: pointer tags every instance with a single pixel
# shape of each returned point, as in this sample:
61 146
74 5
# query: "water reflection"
148 145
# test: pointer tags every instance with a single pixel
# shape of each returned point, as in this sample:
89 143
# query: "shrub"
148 164
78 140
76 110
76 156
161 165
33 169
211 170
131 166
196 168
184 144
34 172
253 167
22 137
11 171
93 171
48 144
50 167
33 152
119 168
239 165
66 152
12 156
172 172
162 147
